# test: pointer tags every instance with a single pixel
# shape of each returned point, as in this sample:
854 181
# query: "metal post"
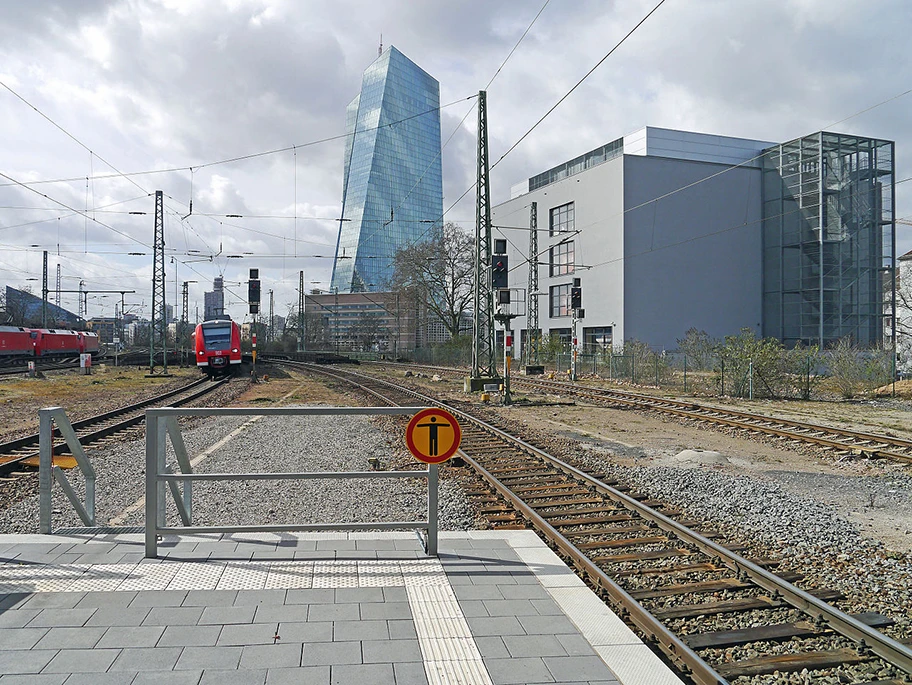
151 486
508 358
573 349
45 464
301 303
750 378
533 335
685 374
44 292
432 510
159 327
483 349
722 384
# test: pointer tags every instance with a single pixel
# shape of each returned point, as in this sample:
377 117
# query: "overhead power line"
254 155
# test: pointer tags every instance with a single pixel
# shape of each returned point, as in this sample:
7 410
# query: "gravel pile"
273 444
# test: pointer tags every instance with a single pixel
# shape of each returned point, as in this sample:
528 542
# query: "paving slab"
331 608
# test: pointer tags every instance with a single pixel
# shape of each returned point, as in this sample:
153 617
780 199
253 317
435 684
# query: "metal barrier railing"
162 424
47 417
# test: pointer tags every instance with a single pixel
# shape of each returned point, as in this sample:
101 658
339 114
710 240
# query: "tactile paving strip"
335 574
196 576
446 642
150 577
291 575
241 575
380 574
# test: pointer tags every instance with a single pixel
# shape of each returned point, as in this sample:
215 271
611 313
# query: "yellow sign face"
433 436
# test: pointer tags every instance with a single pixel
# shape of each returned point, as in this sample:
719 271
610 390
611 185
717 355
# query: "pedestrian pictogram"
433 436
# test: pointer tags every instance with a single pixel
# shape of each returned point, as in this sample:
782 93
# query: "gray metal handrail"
161 424
47 417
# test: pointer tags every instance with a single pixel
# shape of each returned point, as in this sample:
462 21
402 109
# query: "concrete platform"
340 608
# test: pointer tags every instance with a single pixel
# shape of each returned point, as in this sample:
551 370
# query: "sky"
104 102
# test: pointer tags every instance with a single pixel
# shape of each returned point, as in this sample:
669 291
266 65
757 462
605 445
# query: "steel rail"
670 643
717 415
104 432
878 437
883 646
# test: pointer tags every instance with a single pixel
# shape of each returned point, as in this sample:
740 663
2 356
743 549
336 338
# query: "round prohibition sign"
433 435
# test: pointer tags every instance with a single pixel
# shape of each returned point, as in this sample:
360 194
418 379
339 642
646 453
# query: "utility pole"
57 301
532 318
301 344
44 292
270 333
483 354
185 316
82 309
158 328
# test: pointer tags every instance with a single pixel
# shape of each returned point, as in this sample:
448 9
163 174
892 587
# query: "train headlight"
200 353
234 350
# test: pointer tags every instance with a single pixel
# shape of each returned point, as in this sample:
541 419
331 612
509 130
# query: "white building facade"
663 230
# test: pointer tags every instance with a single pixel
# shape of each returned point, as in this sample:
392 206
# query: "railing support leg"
432 510
45 454
151 486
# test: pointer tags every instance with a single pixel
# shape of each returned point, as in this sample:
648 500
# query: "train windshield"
217 336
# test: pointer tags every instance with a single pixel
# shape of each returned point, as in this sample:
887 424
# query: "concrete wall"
692 259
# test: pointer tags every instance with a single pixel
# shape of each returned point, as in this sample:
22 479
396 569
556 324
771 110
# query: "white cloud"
159 84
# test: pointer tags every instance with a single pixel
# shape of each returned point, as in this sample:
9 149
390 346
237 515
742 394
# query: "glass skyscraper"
828 239
392 192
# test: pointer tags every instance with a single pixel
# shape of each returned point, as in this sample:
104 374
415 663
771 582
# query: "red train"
46 342
218 346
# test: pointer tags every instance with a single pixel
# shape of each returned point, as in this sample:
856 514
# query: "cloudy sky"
95 89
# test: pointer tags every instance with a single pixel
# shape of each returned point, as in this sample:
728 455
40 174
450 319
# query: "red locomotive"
45 342
218 346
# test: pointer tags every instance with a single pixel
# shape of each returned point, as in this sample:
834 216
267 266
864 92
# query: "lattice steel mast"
57 298
301 313
532 318
44 292
159 326
483 353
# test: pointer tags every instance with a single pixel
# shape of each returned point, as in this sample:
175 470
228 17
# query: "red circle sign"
433 436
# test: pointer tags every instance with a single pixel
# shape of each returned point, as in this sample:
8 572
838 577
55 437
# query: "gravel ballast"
270 444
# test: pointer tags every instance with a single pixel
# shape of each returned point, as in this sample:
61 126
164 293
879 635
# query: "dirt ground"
80 395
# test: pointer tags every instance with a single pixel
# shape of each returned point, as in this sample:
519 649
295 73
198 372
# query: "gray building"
214 302
666 230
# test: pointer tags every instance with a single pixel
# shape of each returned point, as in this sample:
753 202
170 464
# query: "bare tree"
438 274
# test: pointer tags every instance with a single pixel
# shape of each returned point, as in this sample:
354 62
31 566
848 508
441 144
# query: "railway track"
95 428
833 438
716 615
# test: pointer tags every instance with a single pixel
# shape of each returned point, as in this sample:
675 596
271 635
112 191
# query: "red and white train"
16 341
218 346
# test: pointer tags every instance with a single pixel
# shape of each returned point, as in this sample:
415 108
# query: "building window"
562 219
560 300
598 339
561 259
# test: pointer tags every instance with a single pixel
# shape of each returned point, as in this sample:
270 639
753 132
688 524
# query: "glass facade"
392 192
828 239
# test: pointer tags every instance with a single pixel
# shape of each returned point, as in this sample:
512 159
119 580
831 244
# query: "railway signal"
253 291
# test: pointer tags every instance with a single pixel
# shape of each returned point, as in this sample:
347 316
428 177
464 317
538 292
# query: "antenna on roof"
380 49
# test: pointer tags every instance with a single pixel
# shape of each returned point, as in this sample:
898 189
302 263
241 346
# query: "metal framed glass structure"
828 239
392 191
